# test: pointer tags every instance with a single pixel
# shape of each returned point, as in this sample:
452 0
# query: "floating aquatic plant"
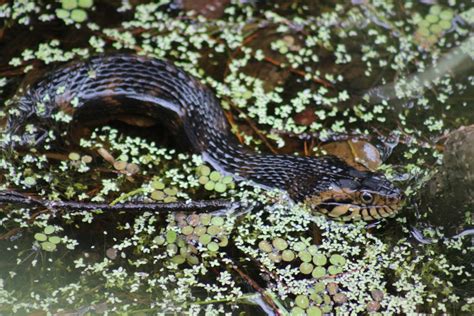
74 10
47 240
317 65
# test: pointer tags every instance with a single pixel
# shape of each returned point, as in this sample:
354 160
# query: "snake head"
357 195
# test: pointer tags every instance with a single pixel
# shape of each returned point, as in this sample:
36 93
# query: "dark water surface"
292 76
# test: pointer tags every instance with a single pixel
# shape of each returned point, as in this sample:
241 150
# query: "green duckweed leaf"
334 270
213 246
49 229
265 246
69 4
302 301
79 16
299 246
187 230
279 243
305 256
74 156
319 259
205 239
158 185
217 221
306 268
40 237
85 3
54 240
220 187
314 311
170 236
158 195
288 255
48 246
337 259
297 311
62 14
319 272
210 185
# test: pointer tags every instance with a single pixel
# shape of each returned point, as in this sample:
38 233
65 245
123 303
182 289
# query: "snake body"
130 84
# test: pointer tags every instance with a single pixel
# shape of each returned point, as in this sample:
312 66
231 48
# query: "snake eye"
367 197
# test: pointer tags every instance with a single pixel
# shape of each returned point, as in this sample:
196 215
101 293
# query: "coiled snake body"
129 84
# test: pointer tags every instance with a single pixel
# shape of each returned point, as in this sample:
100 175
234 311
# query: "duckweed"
275 257
305 256
302 301
265 246
85 3
162 192
158 185
171 236
319 259
47 241
206 219
200 230
297 311
319 272
48 246
74 9
437 21
299 246
78 15
288 255
187 230
213 230
54 240
280 244
217 221
86 159
334 31
213 180
40 237
69 4
306 268
313 311
74 156
213 246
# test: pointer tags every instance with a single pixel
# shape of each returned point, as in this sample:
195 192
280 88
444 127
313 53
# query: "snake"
126 84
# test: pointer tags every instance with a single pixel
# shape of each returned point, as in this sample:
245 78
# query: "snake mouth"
346 210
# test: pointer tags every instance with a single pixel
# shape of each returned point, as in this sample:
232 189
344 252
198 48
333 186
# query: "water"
268 64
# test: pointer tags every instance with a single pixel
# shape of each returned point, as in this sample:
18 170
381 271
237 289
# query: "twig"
299 72
13 197
252 125
258 288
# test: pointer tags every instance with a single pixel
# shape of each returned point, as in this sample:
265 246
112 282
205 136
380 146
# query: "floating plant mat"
290 77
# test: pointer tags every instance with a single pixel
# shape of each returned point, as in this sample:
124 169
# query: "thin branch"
300 73
254 127
267 299
13 197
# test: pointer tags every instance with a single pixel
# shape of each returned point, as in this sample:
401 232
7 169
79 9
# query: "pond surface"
384 85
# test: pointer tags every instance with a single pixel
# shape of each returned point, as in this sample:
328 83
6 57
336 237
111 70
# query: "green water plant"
47 240
431 26
184 264
74 10
214 180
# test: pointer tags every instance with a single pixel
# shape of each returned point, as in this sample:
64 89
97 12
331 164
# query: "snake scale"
127 84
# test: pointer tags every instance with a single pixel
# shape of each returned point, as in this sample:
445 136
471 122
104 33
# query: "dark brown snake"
125 84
